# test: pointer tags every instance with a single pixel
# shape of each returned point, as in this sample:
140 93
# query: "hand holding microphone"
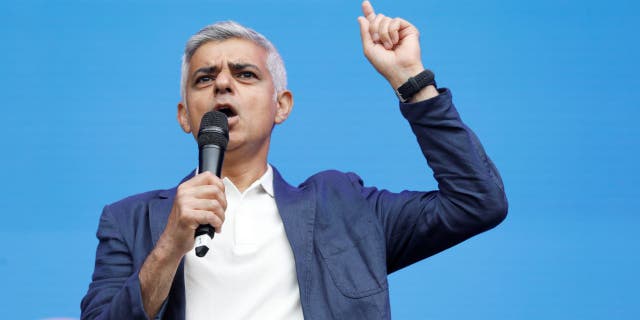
200 202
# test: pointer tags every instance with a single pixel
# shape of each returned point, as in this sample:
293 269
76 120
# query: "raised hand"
391 45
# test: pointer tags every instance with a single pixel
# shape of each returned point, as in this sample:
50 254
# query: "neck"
244 169
243 176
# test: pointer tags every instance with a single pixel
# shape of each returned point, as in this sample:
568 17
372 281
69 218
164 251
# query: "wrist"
419 87
165 253
424 94
399 78
156 276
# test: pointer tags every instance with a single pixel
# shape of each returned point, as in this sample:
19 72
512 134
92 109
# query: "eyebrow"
233 66
242 66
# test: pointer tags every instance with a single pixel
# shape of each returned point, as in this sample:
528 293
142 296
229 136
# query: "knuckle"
185 203
186 219
203 218
216 222
178 203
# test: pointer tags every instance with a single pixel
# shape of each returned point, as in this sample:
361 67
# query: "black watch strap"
406 91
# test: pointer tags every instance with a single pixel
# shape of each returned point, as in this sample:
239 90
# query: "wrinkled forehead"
234 50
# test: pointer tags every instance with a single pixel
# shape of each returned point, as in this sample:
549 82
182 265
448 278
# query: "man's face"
232 76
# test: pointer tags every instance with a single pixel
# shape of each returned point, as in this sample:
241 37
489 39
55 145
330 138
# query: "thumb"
364 32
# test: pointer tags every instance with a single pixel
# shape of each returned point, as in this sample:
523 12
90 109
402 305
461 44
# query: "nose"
223 83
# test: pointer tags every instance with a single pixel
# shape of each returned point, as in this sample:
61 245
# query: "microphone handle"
209 159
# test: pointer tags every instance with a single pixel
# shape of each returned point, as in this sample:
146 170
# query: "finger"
394 26
217 181
209 178
189 189
383 31
207 204
364 33
374 28
406 29
200 179
199 217
209 192
212 207
367 10
206 191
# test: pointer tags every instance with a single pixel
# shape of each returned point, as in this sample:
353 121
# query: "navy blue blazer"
345 237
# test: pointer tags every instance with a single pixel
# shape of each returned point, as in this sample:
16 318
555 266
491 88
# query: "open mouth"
227 110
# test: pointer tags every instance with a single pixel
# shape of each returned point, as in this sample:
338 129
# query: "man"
318 251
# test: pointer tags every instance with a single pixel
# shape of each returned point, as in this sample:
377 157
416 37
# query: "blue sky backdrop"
89 93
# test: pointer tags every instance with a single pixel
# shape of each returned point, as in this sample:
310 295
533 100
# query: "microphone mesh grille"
214 129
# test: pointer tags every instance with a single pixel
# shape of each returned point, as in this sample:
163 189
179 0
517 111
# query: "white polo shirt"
249 271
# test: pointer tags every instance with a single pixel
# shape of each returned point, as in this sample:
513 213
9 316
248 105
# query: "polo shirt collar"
266 181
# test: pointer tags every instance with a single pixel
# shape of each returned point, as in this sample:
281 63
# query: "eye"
204 79
246 75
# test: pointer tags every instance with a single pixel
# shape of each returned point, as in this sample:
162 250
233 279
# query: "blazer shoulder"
140 200
333 177
143 199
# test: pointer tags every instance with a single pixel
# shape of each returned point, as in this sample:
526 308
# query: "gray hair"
225 30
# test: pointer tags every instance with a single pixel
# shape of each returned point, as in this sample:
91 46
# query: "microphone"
213 138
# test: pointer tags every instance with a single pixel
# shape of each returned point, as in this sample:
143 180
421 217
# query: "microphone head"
214 129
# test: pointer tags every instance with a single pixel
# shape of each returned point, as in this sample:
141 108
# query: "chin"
233 144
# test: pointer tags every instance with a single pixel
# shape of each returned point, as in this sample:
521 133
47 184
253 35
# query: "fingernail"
375 36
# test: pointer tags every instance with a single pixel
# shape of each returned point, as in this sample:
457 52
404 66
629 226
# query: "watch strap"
423 79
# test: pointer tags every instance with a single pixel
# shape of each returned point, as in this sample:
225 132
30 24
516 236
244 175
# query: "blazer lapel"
297 210
159 210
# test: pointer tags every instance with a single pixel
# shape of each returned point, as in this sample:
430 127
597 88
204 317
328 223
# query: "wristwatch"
406 91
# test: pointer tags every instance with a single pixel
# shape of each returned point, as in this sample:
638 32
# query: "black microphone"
213 138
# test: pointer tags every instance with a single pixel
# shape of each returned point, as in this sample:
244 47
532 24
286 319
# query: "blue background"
89 93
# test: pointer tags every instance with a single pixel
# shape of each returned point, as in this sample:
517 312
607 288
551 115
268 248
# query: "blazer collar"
297 208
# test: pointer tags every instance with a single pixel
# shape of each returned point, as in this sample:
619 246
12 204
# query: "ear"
284 106
183 117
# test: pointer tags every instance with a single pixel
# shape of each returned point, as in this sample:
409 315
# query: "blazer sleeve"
114 292
470 198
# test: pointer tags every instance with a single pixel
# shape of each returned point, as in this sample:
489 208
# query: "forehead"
231 50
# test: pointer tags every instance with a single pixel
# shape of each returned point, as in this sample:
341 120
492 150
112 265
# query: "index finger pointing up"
367 10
